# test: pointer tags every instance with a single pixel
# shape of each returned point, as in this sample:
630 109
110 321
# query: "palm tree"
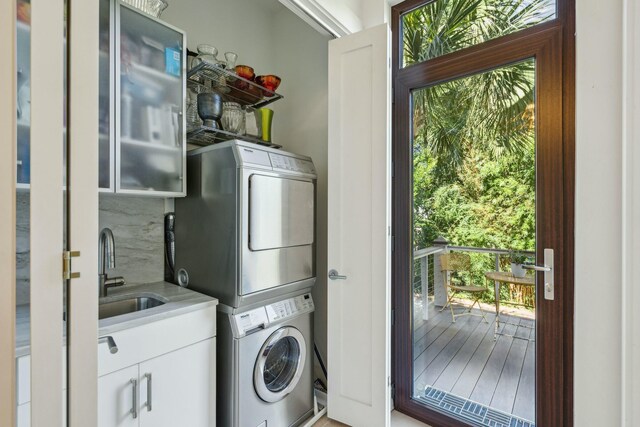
494 109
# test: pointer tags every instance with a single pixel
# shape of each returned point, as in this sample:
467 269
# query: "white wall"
273 40
598 228
347 12
302 56
631 216
241 26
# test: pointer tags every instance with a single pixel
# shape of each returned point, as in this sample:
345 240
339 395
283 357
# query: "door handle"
148 377
547 269
333 275
536 267
134 403
113 348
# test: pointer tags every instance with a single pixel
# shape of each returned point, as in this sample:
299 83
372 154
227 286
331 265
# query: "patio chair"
457 265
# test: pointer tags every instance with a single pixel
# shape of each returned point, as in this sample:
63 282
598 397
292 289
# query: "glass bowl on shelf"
270 83
150 7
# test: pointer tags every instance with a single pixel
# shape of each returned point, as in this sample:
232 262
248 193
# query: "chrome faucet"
107 260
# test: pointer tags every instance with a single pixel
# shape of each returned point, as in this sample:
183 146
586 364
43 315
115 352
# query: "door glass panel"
105 124
445 26
281 364
474 198
23 214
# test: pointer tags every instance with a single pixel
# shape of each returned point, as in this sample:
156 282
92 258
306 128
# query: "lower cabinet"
118 398
175 389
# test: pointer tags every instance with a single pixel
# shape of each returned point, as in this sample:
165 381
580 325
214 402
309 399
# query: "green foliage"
516 257
445 26
474 137
490 203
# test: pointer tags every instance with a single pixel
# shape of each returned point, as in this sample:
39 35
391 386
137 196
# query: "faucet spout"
107 260
106 251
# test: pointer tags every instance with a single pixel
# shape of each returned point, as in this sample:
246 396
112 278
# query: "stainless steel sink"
128 305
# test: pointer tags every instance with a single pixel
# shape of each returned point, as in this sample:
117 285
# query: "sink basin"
128 305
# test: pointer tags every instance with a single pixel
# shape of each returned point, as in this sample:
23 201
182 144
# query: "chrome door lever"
536 267
333 275
547 269
113 348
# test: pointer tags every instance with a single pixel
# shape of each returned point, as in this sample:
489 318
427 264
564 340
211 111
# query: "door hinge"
66 264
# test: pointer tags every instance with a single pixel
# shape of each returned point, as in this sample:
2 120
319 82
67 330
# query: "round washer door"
280 364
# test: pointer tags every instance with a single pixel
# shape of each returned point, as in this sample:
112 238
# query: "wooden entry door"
553 103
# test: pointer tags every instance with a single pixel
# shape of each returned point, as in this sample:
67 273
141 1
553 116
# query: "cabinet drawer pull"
148 377
134 409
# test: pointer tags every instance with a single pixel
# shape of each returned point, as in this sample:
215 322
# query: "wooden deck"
462 358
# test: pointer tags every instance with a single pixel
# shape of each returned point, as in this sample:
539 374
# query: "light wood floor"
397 420
462 358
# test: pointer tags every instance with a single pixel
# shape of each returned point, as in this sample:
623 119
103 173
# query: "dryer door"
280 364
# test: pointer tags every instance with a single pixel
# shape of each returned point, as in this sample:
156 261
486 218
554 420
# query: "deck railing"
429 281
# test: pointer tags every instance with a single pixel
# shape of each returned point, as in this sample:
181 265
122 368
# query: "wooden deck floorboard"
464 359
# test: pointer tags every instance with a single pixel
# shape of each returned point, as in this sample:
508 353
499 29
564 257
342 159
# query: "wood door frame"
540 41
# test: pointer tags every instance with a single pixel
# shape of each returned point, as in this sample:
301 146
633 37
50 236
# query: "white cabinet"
177 388
116 394
142 99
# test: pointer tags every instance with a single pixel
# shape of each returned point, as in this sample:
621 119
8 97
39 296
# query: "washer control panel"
262 317
289 307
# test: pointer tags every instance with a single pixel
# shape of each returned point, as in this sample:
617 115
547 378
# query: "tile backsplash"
138 228
23 226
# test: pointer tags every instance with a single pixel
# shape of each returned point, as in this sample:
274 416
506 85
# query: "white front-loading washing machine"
265 364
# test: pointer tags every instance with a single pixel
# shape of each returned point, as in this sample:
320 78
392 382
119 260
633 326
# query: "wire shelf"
230 86
205 135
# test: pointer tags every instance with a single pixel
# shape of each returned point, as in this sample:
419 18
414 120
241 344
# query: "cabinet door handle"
149 387
134 408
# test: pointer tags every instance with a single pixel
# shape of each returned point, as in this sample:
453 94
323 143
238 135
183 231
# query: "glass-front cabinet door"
142 98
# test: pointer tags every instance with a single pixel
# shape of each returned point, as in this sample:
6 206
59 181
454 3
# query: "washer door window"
280 364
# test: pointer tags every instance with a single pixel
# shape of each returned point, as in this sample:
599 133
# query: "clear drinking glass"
193 119
231 58
233 119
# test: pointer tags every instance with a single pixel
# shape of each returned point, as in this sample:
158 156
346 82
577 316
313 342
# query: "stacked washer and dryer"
245 234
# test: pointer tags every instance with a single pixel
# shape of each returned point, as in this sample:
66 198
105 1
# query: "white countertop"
177 301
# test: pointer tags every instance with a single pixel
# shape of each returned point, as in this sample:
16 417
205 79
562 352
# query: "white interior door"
46 207
82 208
48 192
359 223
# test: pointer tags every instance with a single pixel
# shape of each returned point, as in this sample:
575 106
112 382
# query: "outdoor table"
500 277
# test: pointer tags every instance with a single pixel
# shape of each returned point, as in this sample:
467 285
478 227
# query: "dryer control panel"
263 317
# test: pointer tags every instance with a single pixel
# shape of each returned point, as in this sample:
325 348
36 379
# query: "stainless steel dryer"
246 230
265 364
